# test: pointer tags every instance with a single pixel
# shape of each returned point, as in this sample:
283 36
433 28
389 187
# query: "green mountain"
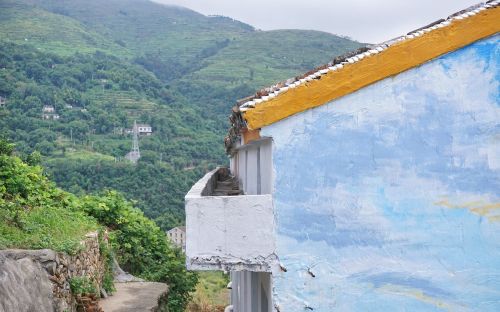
176 36
22 22
104 63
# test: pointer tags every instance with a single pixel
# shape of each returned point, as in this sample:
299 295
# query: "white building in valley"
145 129
177 236
142 129
49 112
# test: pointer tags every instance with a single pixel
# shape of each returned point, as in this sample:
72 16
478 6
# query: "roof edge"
370 65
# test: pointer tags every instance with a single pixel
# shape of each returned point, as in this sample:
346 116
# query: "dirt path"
134 297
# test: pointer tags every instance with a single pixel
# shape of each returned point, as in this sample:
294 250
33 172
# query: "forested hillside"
95 96
103 64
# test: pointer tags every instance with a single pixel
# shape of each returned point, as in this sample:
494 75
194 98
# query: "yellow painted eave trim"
250 135
395 59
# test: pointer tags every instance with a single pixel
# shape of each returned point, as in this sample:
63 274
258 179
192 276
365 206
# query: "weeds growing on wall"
107 256
82 285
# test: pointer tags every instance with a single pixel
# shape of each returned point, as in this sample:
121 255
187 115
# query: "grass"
126 100
211 293
34 214
42 228
79 152
88 155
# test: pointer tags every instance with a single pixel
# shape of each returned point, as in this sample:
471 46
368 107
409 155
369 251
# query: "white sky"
369 21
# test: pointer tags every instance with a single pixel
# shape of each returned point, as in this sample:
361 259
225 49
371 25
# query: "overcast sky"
369 21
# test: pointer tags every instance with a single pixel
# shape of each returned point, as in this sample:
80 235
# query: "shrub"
32 207
141 247
107 256
82 285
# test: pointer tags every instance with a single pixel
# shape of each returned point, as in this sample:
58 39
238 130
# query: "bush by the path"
35 214
141 247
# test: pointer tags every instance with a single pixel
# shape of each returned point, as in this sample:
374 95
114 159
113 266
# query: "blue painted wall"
391 196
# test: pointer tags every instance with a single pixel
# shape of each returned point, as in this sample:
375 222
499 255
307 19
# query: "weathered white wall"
266 167
229 232
251 291
252 165
252 171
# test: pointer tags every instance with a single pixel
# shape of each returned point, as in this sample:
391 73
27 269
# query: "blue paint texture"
391 195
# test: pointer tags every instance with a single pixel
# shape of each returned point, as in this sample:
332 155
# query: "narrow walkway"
227 185
134 297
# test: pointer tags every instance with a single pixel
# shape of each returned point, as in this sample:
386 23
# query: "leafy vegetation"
31 210
142 247
107 255
84 149
81 285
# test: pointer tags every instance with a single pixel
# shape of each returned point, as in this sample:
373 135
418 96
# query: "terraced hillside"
263 57
22 22
174 36
175 41
104 63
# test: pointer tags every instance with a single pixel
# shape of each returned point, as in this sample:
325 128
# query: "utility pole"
135 153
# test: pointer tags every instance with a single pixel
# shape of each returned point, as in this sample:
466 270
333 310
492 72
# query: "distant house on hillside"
3 101
48 109
49 112
143 129
369 184
177 236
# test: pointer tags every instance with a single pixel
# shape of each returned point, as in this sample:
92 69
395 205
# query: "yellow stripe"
395 59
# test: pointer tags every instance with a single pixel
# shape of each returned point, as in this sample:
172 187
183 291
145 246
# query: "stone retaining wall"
53 269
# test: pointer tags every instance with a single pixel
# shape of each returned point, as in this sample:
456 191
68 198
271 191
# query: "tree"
6 148
34 159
